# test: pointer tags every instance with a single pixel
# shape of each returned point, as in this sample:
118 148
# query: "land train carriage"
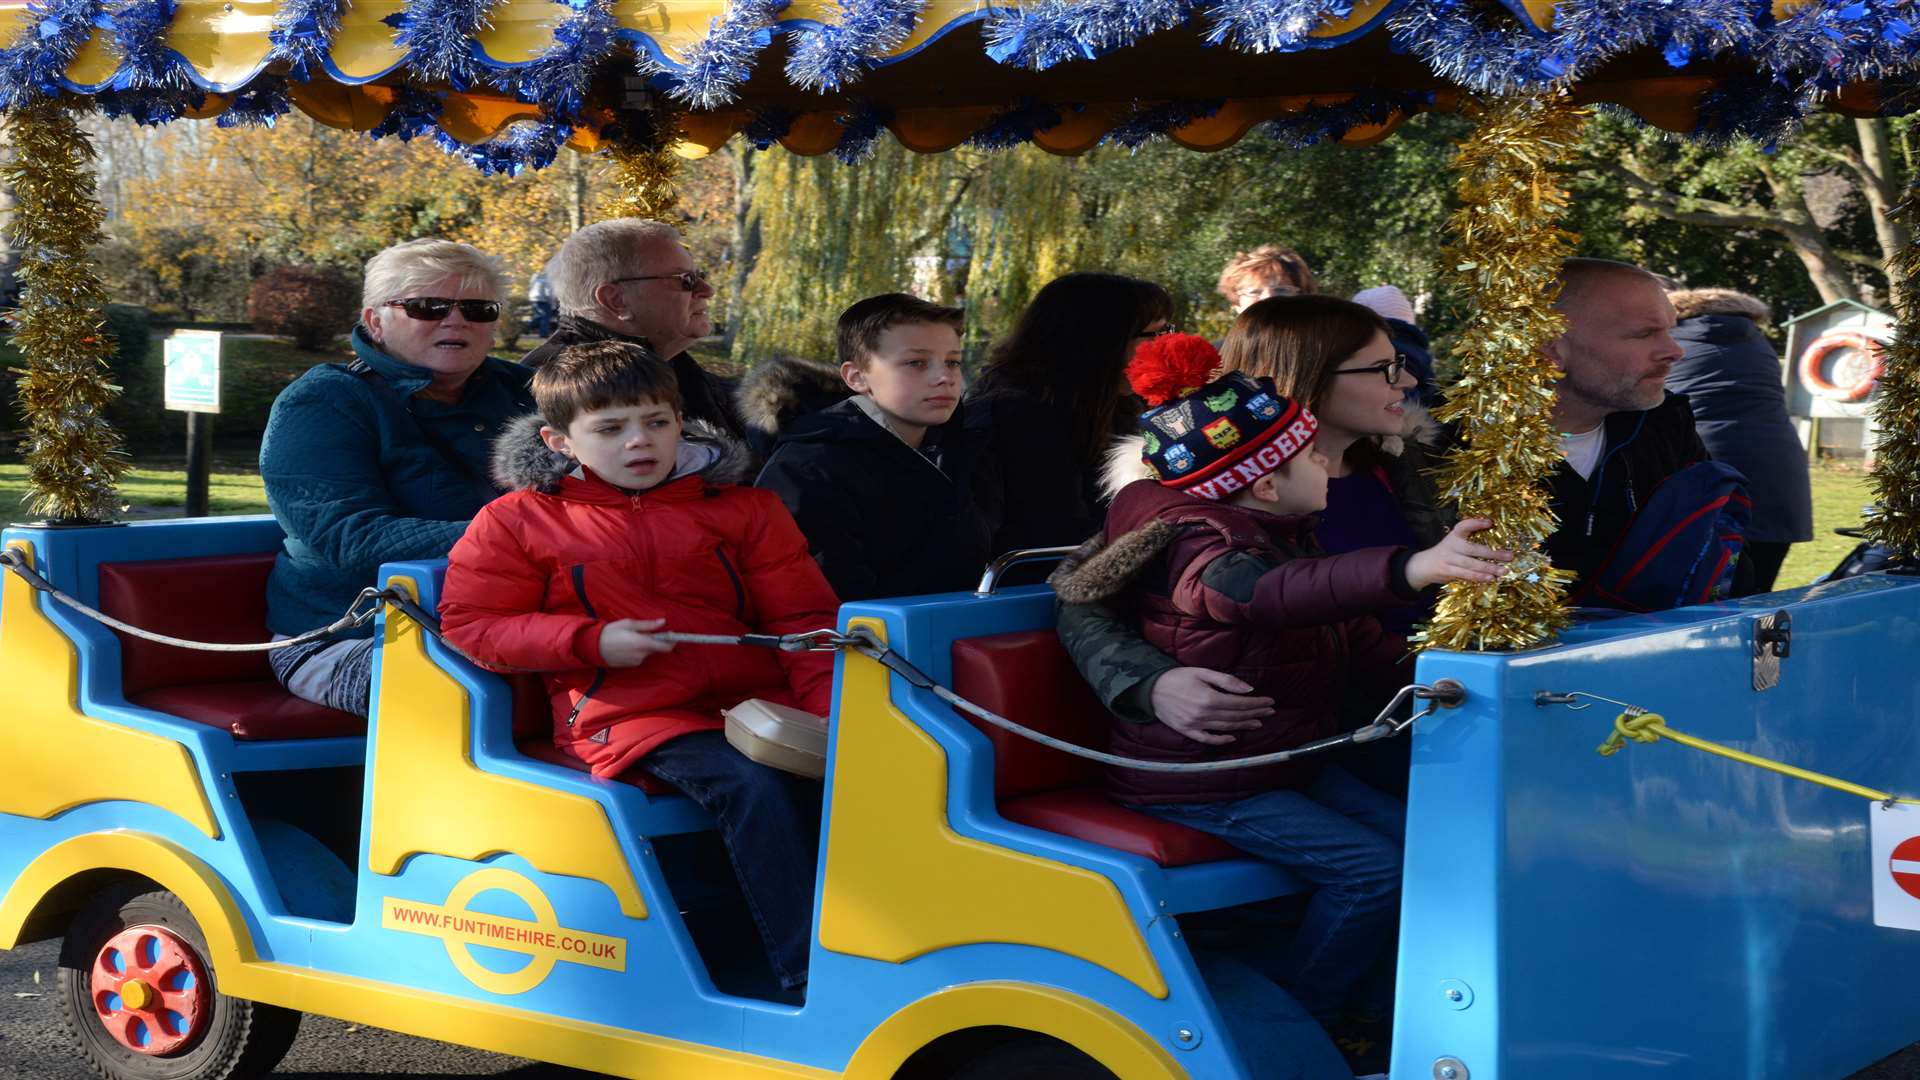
221 857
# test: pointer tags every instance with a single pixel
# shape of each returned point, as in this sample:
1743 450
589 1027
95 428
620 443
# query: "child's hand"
626 642
1455 558
1205 705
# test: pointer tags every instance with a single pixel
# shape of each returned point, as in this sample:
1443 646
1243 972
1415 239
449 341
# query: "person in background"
884 483
384 459
543 309
1055 396
1730 374
1268 270
1409 340
632 280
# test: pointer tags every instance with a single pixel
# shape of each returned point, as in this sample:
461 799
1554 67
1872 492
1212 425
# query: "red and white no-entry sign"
1904 865
1895 836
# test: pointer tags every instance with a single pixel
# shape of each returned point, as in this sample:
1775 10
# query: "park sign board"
193 371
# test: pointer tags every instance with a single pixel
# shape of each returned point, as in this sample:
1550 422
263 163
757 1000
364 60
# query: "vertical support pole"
1895 517
1507 247
73 455
199 462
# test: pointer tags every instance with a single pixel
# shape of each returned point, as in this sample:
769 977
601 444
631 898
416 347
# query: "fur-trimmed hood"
1124 463
780 390
522 460
1690 303
1097 571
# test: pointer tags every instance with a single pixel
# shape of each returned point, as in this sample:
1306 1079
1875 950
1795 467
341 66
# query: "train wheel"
144 1003
1030 1057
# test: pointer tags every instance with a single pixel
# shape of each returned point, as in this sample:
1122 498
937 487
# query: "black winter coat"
881 518
1643 448
1049 498
703 395
1731 377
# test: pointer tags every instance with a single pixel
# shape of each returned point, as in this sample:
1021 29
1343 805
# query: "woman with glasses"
384 458
1057 396
1336 357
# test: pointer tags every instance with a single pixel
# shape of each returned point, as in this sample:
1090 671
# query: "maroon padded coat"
1292 623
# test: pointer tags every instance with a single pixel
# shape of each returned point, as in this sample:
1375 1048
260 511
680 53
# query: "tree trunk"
1877 182
576 192
743 243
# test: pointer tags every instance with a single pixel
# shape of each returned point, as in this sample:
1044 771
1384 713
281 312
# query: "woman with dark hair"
1335 356
1057 396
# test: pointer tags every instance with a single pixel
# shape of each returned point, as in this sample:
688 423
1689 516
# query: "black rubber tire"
1030 1057
243 1039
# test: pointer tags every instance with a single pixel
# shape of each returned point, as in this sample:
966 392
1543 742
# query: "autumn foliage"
310 304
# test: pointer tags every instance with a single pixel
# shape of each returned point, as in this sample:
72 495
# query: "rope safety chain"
1445 694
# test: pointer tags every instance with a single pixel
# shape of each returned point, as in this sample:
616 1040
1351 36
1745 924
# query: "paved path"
33 1042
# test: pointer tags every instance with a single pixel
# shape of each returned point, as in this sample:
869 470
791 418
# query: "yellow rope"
1649 727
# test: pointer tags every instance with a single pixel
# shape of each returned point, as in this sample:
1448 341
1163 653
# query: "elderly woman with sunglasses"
1338 358
384 458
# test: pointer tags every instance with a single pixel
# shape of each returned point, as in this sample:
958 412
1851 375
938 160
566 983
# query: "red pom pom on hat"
1171 366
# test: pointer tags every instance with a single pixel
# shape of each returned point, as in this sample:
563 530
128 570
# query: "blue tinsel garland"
302 32
767 127
1330 123
150 107
837 53
439 35
139 39
32 68
1271 25
1149 122
724 58
559 77
414 112
1015 126
1040 35
260 104
859 128
528 144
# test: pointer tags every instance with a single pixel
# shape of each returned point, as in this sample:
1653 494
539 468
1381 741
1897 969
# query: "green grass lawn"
1838 494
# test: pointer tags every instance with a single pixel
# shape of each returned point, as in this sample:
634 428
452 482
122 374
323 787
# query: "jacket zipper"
1599 474
579 575
739 588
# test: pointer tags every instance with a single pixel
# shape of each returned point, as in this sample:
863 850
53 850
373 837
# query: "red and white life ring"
1813 363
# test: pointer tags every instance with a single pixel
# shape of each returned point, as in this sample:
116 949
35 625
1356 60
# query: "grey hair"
599 253
415 264
1579 275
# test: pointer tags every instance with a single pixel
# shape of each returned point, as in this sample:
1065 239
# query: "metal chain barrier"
355 616
1445 694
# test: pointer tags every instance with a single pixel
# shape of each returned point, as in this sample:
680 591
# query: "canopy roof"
506 82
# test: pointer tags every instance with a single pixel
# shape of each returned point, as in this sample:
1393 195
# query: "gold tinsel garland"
1895 518
645 168
74 461
1507 250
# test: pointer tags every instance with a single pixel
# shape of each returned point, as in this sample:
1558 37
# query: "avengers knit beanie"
1211 438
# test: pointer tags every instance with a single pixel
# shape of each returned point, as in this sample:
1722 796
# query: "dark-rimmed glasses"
435 308
1162 332
1391 369
690 280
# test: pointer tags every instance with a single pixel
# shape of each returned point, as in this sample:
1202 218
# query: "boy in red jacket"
1215 559
618 527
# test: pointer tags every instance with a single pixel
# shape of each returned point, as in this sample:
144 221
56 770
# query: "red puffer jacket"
1236 590
542 570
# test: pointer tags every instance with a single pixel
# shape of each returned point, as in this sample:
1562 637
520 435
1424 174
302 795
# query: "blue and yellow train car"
221 858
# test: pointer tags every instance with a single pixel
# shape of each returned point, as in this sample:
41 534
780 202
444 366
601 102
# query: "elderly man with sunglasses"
384 458
631 279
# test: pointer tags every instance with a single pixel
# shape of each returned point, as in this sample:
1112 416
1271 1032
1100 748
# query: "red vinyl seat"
219 598
1027 677
533 735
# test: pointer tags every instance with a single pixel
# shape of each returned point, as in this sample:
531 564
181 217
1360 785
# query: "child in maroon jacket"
1216 562
620 527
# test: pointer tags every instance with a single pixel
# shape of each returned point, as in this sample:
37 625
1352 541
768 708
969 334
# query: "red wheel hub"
150 990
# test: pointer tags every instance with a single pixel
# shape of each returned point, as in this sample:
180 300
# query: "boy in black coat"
885 484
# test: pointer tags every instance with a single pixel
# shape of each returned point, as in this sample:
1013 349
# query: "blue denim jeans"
769 822
1345 838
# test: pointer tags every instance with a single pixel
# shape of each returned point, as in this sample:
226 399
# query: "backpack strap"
441 446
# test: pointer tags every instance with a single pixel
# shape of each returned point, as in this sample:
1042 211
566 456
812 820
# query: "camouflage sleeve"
1114 659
